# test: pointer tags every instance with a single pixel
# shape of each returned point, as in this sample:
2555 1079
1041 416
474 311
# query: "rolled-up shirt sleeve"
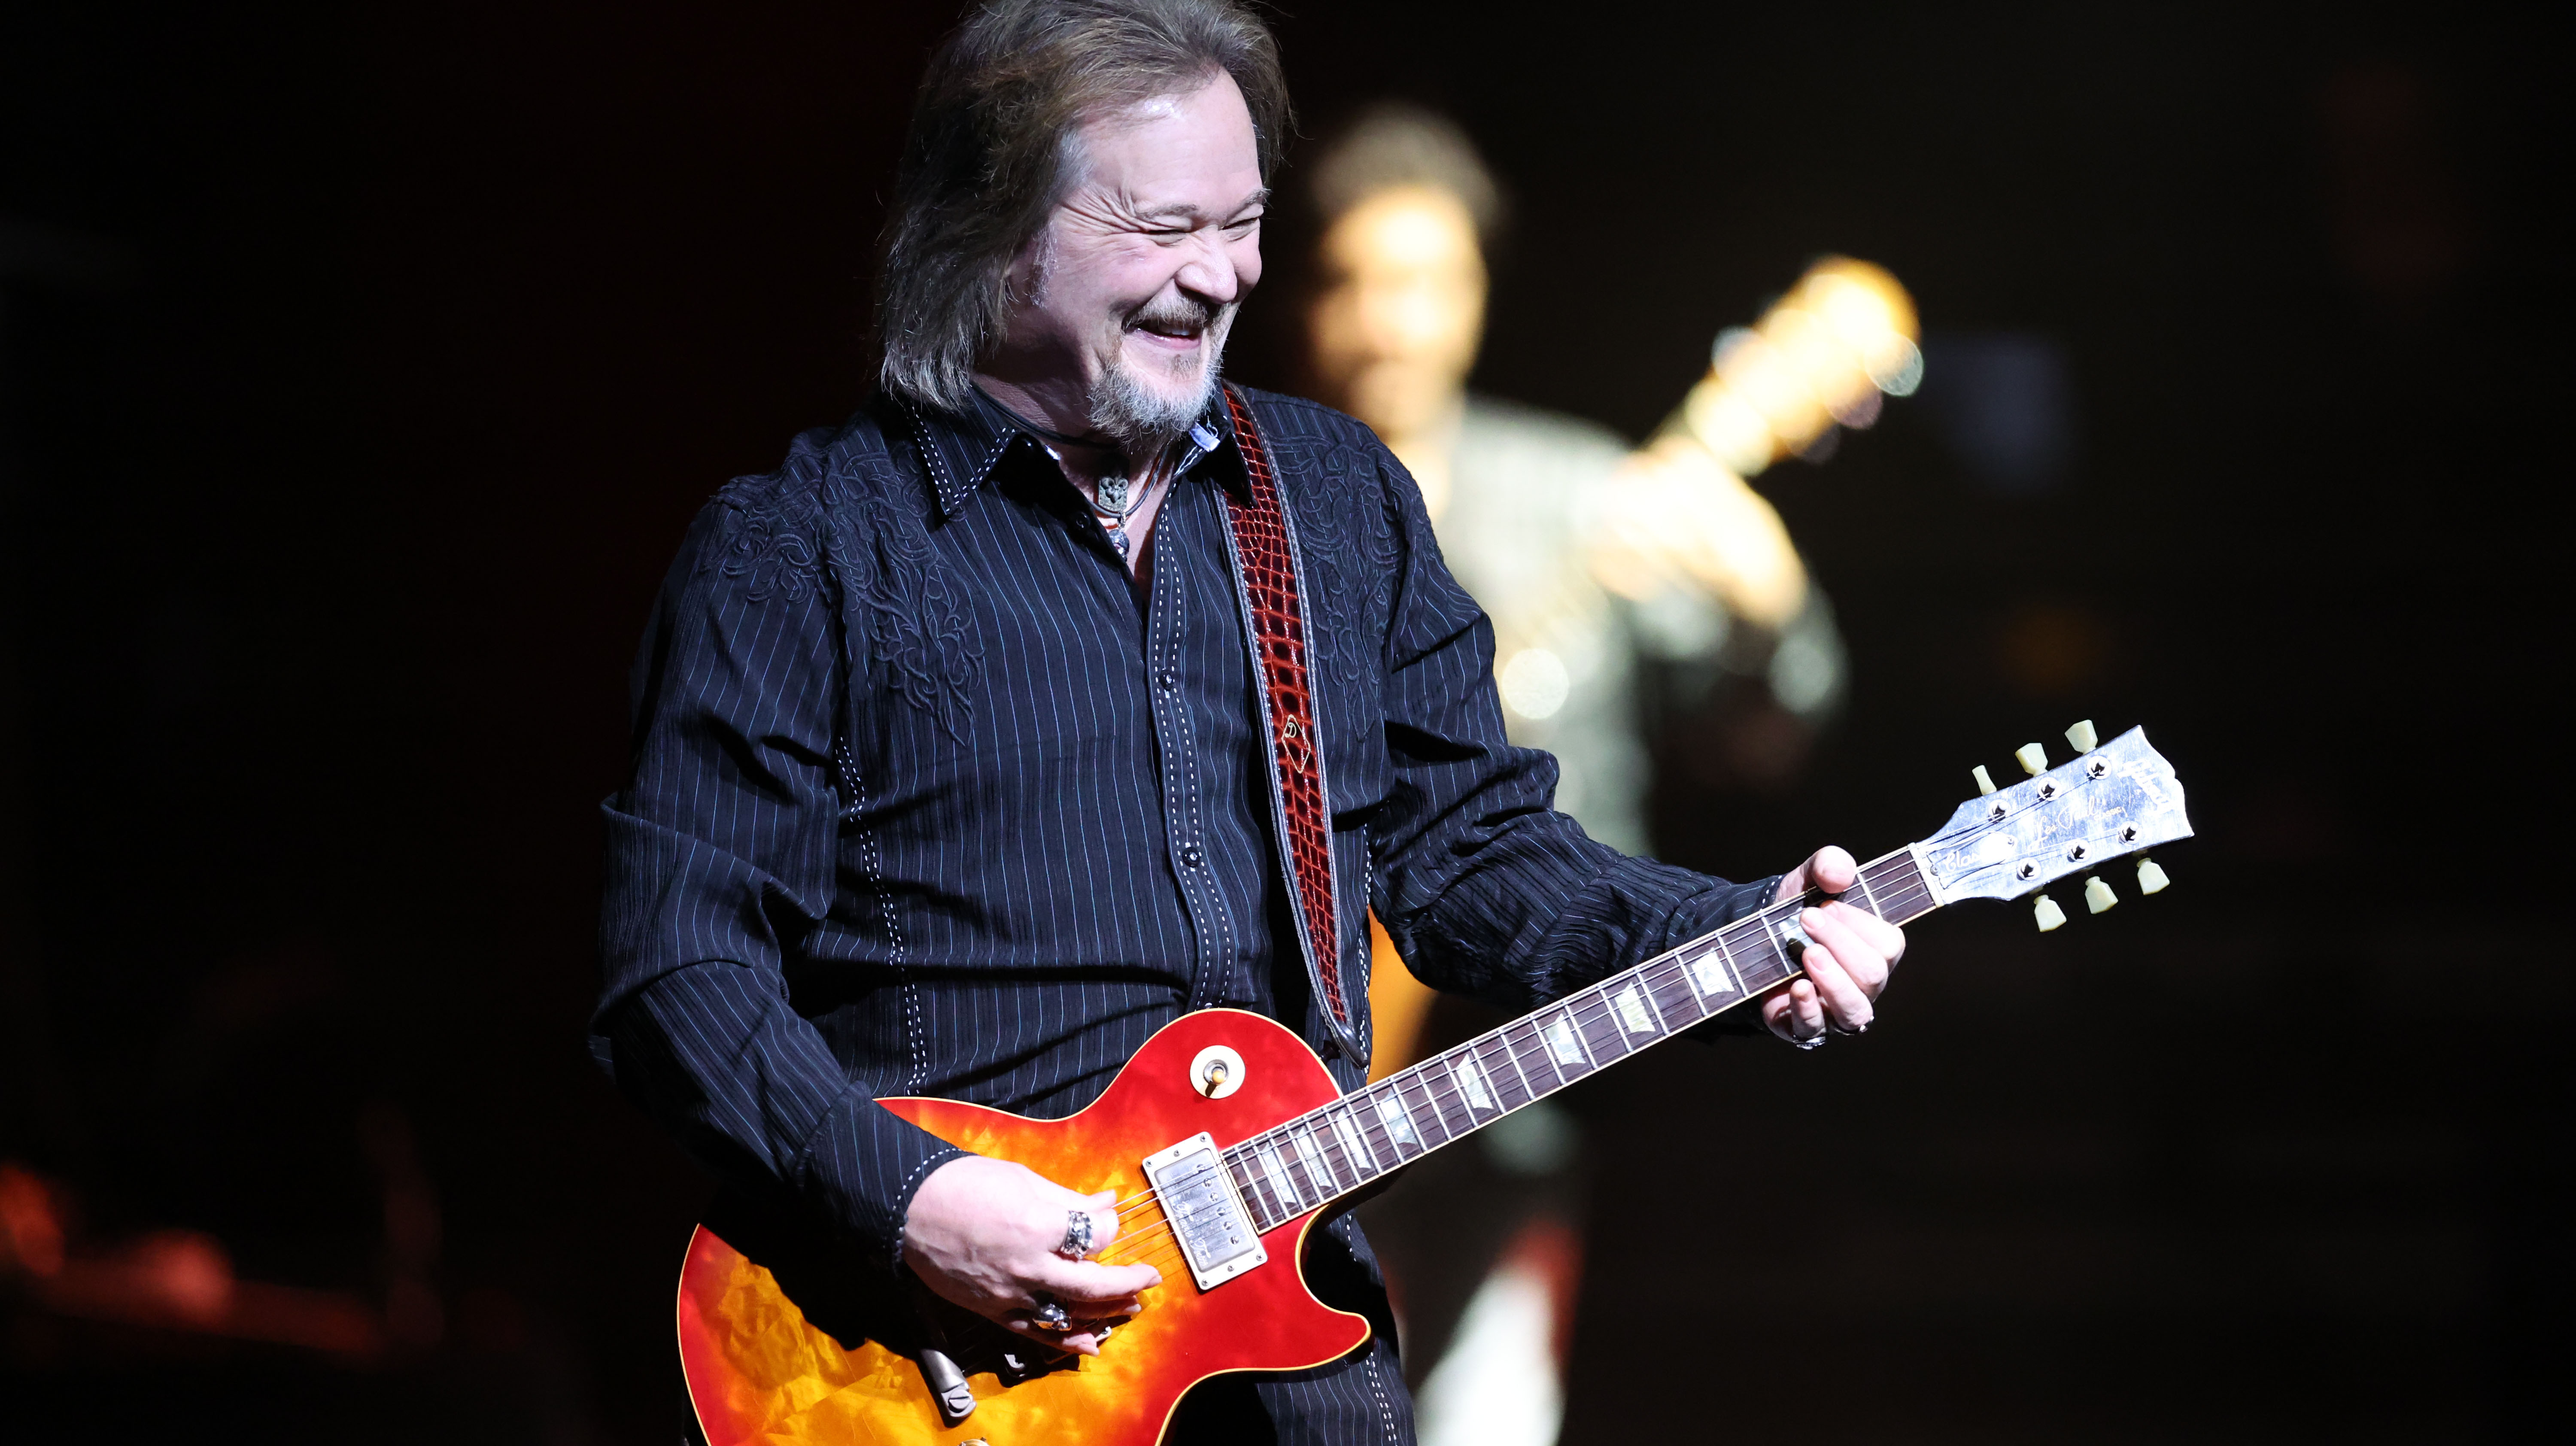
720 858
1485 888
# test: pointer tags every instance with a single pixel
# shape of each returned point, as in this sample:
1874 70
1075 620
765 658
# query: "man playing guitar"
1064 691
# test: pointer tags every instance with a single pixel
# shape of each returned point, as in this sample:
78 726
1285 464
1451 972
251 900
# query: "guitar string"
1657 975
1605 998
1445 1096
1158 1244
1908 888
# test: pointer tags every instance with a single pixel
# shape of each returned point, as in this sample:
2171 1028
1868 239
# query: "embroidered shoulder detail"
774 542
833 523
908 617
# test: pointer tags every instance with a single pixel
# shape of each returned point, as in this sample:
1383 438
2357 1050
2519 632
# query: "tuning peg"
2098 896
2151 879
2033 757
2050 916
2083 737
1984 784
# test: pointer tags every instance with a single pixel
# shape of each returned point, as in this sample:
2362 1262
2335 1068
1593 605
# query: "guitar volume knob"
1216 1072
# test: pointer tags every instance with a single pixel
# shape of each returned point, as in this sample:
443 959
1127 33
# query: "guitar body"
759 1371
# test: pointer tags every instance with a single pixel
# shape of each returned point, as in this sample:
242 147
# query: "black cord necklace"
1115 497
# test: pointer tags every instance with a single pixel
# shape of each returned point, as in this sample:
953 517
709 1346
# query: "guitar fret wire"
1642 986
1501 1085
1430 1085
1284 1152
1344 1176
1279 1182
1564 1020
1439 1114
1580 1011
1727 970
1322 1188
1885 886
1381 1094
1581 1028
1576 1010
1249 1187
1649 980
1529 1092
1349 1134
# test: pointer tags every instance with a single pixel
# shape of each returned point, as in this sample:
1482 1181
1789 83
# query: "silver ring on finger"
1077 1235
1050 1315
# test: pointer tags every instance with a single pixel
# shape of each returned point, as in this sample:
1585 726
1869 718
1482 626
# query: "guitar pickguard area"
1207 1217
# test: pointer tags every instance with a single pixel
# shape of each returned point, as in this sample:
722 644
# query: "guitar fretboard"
1290 1169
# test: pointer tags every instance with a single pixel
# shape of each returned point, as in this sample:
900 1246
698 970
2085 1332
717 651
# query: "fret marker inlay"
1318 1164
1278 1178
1354 1148
1632 1011
1561 1041
1399 1125
1472 1080
1709 971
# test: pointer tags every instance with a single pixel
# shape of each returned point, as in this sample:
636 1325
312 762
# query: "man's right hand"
983 1233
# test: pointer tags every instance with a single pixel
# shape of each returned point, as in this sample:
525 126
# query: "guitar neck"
1319 1157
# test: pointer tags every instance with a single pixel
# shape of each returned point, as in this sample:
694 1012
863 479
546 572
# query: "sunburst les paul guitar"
1226 1141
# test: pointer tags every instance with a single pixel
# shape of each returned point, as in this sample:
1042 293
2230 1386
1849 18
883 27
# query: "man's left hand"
1849 954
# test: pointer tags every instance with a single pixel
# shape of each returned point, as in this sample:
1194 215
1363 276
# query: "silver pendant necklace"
1114 500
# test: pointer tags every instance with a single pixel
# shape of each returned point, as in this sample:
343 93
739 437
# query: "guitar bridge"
1207 1216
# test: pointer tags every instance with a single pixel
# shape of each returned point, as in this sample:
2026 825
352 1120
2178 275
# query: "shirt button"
1167 680
1191 857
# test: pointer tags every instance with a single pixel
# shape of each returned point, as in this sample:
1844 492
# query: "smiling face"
1126 295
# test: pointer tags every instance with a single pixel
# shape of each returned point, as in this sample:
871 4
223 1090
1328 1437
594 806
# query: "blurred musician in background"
1597 562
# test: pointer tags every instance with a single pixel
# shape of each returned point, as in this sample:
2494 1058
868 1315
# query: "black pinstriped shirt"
926 801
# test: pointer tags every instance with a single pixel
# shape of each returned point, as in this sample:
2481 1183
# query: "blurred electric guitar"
1226 1142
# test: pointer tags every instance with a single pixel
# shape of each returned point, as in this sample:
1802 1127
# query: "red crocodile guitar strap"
1266 575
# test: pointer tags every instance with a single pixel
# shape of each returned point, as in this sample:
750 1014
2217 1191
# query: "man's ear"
1027 274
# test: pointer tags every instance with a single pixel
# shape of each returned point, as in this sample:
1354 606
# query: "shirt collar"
961 448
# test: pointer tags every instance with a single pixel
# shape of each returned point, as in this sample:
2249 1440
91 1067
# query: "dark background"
362 369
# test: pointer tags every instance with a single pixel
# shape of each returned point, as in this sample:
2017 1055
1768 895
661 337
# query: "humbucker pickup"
1208 1219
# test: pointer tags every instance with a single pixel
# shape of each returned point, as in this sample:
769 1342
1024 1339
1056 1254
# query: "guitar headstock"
2106 803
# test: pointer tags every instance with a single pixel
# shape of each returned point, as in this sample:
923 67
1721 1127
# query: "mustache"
1183 315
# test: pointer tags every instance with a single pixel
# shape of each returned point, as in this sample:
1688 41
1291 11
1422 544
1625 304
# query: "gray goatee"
1142 420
